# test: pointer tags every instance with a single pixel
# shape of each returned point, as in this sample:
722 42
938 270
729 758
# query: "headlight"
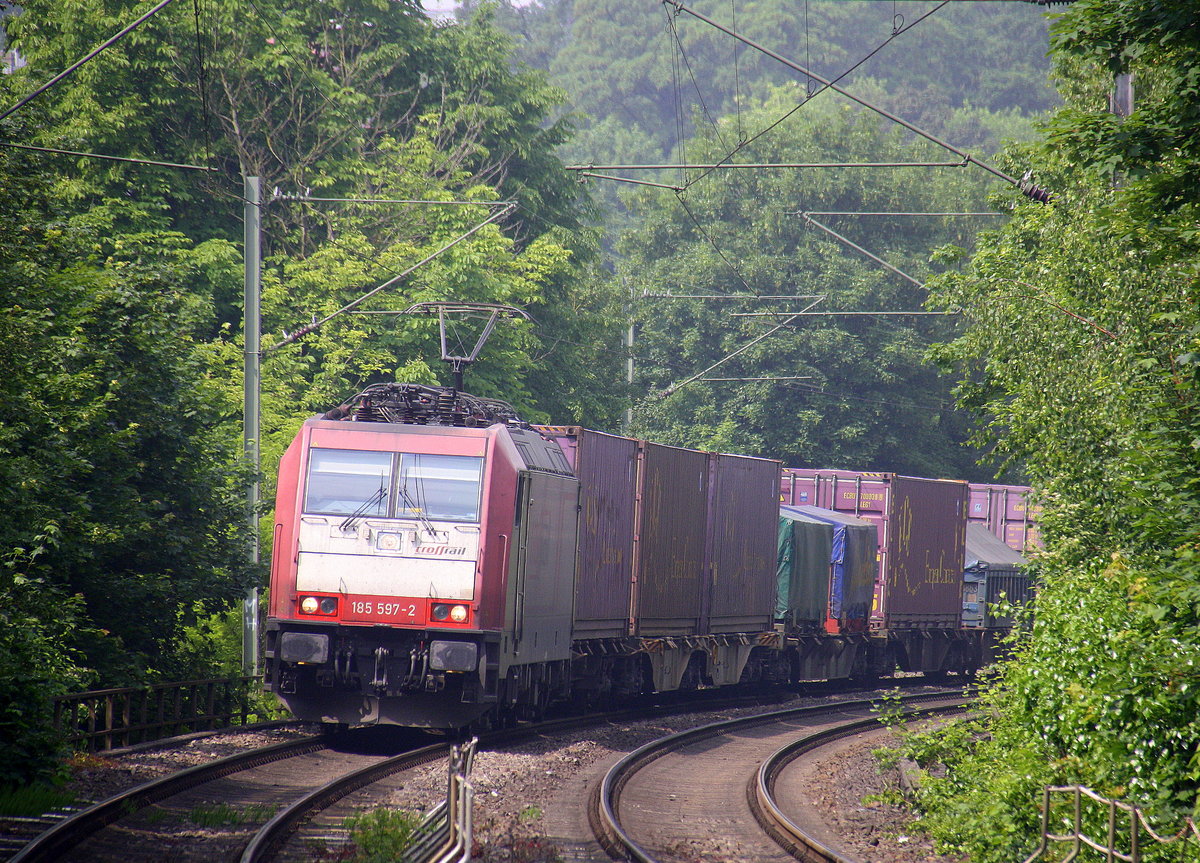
442 611
324 605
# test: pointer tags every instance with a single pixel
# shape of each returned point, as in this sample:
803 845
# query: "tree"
645 70
865 398
1081 354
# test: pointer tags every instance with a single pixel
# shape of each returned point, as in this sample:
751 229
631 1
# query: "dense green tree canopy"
864 398
637 68
120 287
1082 351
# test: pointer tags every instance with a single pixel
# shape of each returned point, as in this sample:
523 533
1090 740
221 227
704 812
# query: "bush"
382 835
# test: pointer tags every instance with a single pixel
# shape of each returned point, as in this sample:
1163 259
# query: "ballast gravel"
517 788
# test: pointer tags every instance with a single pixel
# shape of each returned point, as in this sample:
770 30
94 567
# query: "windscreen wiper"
416 510
370 503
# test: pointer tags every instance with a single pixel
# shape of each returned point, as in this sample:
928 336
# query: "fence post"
1112 831
126 714
211 709
1078 843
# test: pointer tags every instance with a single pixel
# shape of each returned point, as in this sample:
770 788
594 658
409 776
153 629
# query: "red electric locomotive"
437 561
424 562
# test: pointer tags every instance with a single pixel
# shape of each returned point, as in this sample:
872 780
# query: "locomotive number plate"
384 609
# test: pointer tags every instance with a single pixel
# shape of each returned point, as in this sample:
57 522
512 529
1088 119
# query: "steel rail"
761 792
602 814
51 845
271 837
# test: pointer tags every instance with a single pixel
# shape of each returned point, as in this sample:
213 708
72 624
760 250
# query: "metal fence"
445 834
109 718
1128 834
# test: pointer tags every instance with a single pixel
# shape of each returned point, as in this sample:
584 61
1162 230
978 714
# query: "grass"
33 800
224 815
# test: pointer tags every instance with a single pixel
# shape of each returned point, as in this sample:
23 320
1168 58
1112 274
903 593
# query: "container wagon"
917 605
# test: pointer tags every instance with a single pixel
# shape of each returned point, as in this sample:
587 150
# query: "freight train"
440 563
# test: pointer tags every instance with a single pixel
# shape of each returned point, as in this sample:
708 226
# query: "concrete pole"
251 328
629 366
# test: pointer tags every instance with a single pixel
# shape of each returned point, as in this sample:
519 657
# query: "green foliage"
211 647
620 63
34 800
1081 356
111 459
213 815
382 835
37 663
855 389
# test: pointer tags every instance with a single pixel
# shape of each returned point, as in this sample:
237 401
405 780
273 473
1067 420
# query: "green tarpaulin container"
805 549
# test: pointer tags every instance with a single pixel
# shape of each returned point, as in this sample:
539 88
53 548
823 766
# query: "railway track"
205 812
268 803
698 795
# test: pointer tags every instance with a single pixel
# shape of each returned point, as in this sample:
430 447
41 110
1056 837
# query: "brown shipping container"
925 546
743 533
606 466
922 528
671 545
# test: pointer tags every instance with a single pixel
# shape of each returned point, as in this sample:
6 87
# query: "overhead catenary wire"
202 82
890 213
674 388
91 55
695 85
763 378
758 166
557 338
809 93
286 196
712 243
845 241
315 325
828 84
649 296
128 159
879 314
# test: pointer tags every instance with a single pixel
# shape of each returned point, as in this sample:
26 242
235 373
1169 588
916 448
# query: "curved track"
782 815
206 812
259 802
684 797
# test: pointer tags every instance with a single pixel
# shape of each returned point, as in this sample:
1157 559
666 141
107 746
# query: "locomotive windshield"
398 485
343 480
439 486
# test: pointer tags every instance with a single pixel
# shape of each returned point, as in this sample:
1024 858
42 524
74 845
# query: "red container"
606 466
1006 511
922 524
742 533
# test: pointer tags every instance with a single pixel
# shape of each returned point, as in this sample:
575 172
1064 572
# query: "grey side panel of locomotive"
542 576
